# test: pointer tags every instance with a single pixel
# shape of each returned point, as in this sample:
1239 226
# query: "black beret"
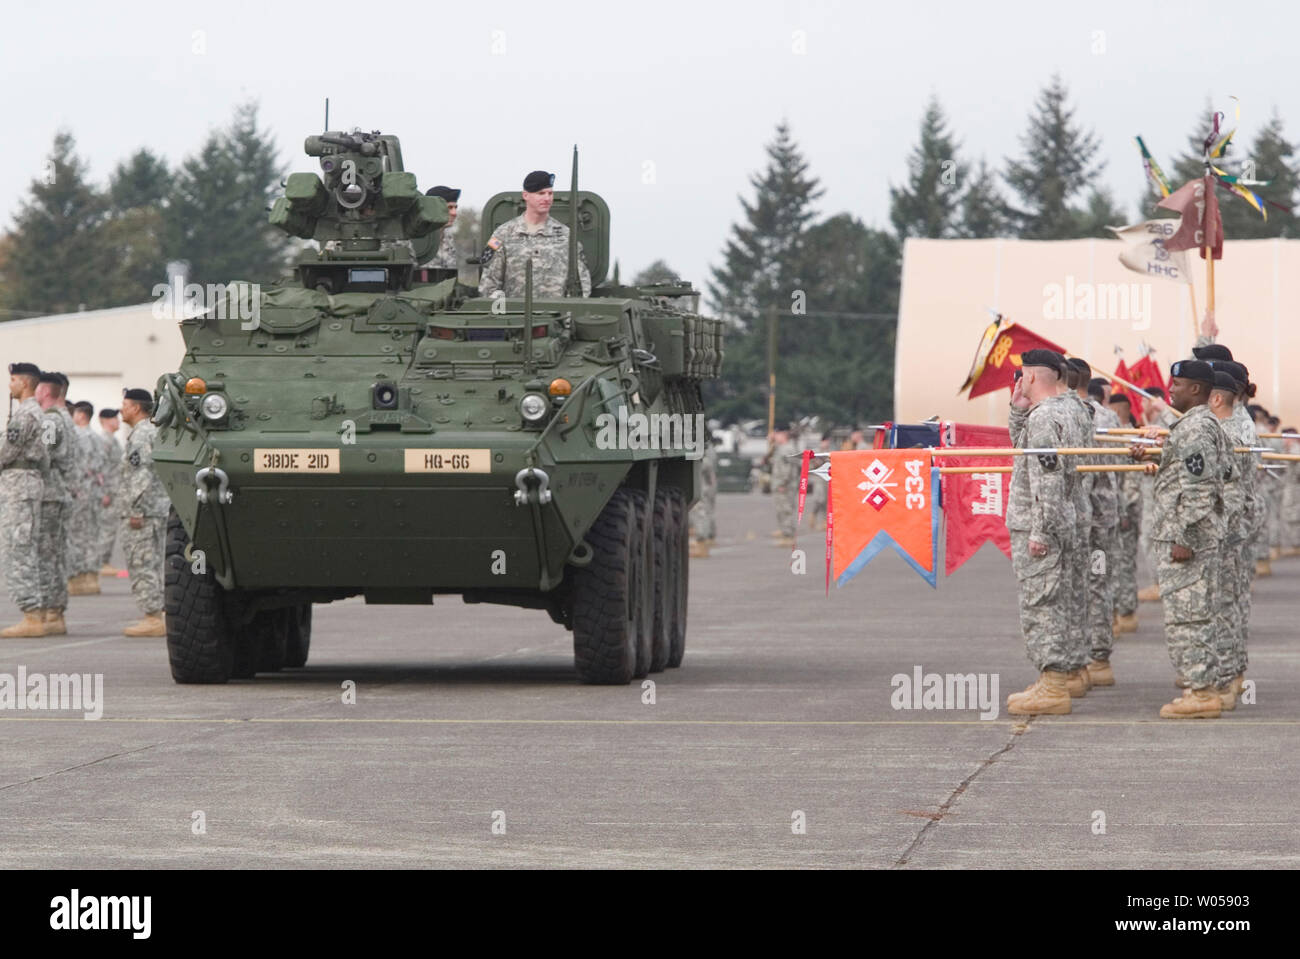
85 406
46 377
63 380
445 192
1098 381
31 369
1120 398
1081 365
538 180
1197 370
1215 351
1048 358
107 414
1233 369
1223 380
140 396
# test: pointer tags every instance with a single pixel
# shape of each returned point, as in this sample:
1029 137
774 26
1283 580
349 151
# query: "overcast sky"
670 102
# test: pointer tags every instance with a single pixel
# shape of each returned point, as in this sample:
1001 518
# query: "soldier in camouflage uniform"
1238 494
1188 533
704 529
785 485
1078 554
24 459
62 485
531 234
1102 535
1041 520
1161 416
82 532
1291 499
445 258
1130 523
108 518
143 506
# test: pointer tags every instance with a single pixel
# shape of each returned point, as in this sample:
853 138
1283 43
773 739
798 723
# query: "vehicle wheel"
606 617
270 631
299 636
666 532
644 590
199 642
680 573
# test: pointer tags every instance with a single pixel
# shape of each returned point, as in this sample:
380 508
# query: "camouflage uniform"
1041 507
1079 555
445 258
141 493
1166 419
1130 525
1103 540
82 538
108 517
785 477
24 459
1271 486
1189 512
703 521
502 263
1252 521
62 484
1290 506
1239 489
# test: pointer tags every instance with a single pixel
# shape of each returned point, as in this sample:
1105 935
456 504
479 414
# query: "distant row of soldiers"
67 494
1074 535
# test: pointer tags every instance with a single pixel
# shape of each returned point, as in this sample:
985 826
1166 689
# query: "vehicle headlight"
214 407
533 407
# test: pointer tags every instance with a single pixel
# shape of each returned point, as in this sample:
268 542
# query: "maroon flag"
1202 225
975 504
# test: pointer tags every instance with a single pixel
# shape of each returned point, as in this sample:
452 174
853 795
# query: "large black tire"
199 643
299 636
666 530
644 589
606 611
680 572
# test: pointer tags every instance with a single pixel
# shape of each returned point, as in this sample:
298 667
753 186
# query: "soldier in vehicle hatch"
531 234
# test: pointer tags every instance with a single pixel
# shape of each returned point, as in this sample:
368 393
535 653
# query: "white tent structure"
1078 295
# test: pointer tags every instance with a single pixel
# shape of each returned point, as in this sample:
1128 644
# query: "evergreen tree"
140 182
1100 213
983 208
59 260
657 272
216 217
137 195
1059 164
928 205
762 270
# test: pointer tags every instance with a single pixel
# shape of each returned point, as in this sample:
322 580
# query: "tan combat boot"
151 625
1274 553
90 583
1076 683
1150 594
1046 697
107 570
1291 550
1227 698
1194 704
31 626
1180 682
785 541
1100 673
1238 682
699 549
1263 567
1128 623
76 586
54 624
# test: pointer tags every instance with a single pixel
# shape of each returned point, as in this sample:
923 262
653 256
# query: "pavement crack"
937 817
68 769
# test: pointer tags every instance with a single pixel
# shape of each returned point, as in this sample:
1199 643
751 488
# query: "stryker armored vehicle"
377 429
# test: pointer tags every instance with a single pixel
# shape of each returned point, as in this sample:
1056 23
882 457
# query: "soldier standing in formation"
108 519
24 460
532 234
1238 501
1187 533
785 485
1043 526
704 529
61 489
1130 523
83 533
445 258
143 506
1077 553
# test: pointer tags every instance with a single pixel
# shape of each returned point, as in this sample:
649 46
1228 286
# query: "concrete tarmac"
472 744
